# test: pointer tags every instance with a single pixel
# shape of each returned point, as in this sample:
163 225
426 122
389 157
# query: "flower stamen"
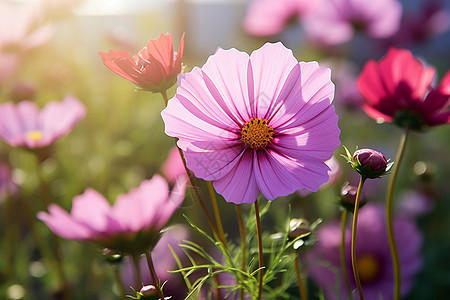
34 135
256 133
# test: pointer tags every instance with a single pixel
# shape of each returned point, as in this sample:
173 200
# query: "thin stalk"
342 252
137 271
55 240
121 291
193 182
212 194
301 286
389 214
355 222
243 246
155 279
164 95
260 250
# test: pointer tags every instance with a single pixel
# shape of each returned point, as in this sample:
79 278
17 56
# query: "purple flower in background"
132 225
372 254
335 21
24 125
268 17
7 185
164 262
254 124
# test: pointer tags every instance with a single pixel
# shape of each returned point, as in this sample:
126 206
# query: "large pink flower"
335 21
154 68
398 89
132 225
254 124
268 17
24 125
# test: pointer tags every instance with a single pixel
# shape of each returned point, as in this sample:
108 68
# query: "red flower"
398 89
154 68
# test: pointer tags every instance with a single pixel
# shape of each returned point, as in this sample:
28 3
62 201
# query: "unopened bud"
368 163
148 292
348 197
112 256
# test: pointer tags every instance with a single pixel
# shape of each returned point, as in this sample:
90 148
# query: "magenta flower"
398 89
335 21
132 225
268 17
372 255
254 124
24 125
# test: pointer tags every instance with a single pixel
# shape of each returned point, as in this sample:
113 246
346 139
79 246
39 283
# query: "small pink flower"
259 123
335 21
173 166
398 89
132 225
18 30
24 125
268 17
154 68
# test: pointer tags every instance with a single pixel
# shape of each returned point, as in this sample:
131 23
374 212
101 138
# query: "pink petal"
173 203
63 224
139 208
278 175
311 94
91 209
225 74
317 138
121 63
58 118
239 185
161 49
11 128
271 65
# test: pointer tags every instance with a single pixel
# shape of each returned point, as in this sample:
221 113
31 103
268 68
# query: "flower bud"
23 90
368 163
299 227
148 292
112 256
347 198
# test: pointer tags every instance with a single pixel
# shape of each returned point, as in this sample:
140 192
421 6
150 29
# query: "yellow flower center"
368 268
34 135
256 133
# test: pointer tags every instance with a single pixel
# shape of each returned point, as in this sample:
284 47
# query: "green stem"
212 194
137 271
55 240
155 279
243 246
342 252
301 286
164 95
389 215
193 181
355 222
260 250
121 289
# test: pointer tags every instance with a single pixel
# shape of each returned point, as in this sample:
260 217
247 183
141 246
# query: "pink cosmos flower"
398 89
19 33
254 124
268 17
132 225
372 254
24 125
335 21
154 68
